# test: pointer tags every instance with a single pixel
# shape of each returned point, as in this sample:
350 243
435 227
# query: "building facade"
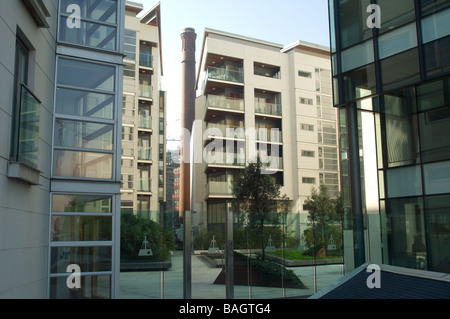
60 158
27 62
143 113
391 86
260 98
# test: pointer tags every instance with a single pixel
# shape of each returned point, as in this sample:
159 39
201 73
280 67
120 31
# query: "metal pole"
355 184
229 260
187 263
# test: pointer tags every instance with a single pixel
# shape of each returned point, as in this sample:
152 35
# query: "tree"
324 213
258 195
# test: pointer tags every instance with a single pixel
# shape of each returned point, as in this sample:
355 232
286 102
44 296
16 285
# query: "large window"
25 137
81 234
90 23
84 120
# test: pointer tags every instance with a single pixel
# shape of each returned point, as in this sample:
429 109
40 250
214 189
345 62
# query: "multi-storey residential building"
257 97
391 85
62 64
143 113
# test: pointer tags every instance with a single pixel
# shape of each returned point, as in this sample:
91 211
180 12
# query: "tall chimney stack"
188 37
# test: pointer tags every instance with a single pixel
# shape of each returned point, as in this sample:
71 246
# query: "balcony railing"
269 135
145 91
146 59
143 185
223 102
27 151
215 188
145 122
272 162
144 153
268 108
225 75
223 158
225 130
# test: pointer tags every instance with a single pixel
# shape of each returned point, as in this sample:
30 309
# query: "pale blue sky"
283 22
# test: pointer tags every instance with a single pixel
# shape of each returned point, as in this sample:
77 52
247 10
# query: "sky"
279 21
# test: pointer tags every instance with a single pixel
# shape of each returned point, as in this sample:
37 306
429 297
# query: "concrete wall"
24 209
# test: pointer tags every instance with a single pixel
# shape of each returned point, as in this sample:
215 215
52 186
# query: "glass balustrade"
223 74
268 108
223 102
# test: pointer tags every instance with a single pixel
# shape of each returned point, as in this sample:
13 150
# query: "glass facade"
84 198
395 98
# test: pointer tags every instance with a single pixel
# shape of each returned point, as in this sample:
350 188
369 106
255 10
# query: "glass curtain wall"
85 182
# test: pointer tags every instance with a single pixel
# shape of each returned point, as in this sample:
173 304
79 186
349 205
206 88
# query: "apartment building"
256 97
143 160
391 87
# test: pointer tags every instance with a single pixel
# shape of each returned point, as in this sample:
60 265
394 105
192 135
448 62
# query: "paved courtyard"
147 285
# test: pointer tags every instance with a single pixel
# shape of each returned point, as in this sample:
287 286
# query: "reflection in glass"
360 83
81 228
82 203
92 287
437 216
28 145
84 103
400 69
396 41
353 26
89 259
83 134
406 232
82 164
87 75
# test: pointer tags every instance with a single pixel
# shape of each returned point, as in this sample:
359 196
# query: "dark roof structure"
394 283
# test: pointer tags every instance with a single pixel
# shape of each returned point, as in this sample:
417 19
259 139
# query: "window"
307 101
436 26
84 120
308 180
130 44
307 127
25 134
308 153
400 70
357 56
360 83
305 74
352 22
98 23
397 41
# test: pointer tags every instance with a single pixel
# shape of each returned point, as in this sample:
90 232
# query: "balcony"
225 103
268 108
269 135
145 59
223 159
145 91
144 153
219 189
144 185
226 131
222 74
145 122
272 162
